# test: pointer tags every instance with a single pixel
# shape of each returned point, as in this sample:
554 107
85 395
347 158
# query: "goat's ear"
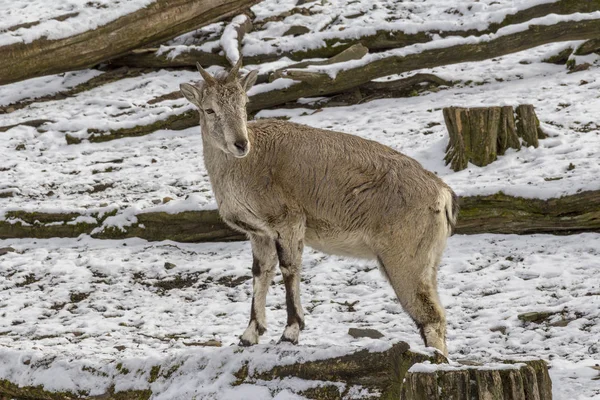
249 80
191 93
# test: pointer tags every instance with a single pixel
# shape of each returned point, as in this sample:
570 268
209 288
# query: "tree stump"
479 135
528 125
527 380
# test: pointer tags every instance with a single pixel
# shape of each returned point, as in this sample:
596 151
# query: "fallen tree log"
103 79
378 372
314 83
381 40
497 213
160 21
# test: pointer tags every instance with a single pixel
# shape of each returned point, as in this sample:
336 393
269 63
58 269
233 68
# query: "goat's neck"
217 162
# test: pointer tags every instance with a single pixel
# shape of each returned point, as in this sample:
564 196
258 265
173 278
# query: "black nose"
241 145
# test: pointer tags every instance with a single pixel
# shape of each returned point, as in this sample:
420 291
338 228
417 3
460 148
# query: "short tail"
452 207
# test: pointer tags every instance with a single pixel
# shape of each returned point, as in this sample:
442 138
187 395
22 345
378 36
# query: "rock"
165 200
589 47
366 332
579 68
296 30
536 317
561 58
6 250
169 265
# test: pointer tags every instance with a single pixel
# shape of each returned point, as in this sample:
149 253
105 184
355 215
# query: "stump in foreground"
527 380
479 135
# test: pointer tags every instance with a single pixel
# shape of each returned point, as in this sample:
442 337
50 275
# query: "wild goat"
285 184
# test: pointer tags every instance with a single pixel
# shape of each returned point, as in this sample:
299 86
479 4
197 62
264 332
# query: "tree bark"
160 21
311 84
381 40
497 213
381 372
528 382
479 134
528 125
588 47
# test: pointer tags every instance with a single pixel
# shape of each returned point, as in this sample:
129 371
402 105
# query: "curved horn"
234 71
208 78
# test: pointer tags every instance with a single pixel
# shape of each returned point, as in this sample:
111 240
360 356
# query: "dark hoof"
284 339
245 343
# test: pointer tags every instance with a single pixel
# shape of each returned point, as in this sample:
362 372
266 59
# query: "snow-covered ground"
47 174
84 314
74 303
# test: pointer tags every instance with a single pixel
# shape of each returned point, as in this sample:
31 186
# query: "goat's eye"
209 111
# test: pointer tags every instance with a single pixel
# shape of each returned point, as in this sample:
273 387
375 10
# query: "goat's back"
341 180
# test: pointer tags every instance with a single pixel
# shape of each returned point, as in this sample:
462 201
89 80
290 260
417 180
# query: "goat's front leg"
289 247
263 268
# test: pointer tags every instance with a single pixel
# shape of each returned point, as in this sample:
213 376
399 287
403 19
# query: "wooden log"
473 135
478 135
354 52
528 125
588 47
497 213
519 382
379 41
507 135
381 372
159 21
456 151
312 84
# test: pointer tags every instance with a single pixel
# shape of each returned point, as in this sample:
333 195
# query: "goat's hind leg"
415 284
264 261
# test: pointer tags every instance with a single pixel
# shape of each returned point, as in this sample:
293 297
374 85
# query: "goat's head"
221 101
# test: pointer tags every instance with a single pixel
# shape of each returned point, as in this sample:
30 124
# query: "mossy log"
588 47
526 380
378 372
311 84
159 21
9 390
497 213
320 83
478 135
381 40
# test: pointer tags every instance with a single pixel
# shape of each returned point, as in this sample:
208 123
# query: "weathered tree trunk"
478 135
381 40
497 213
530 381
160 21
